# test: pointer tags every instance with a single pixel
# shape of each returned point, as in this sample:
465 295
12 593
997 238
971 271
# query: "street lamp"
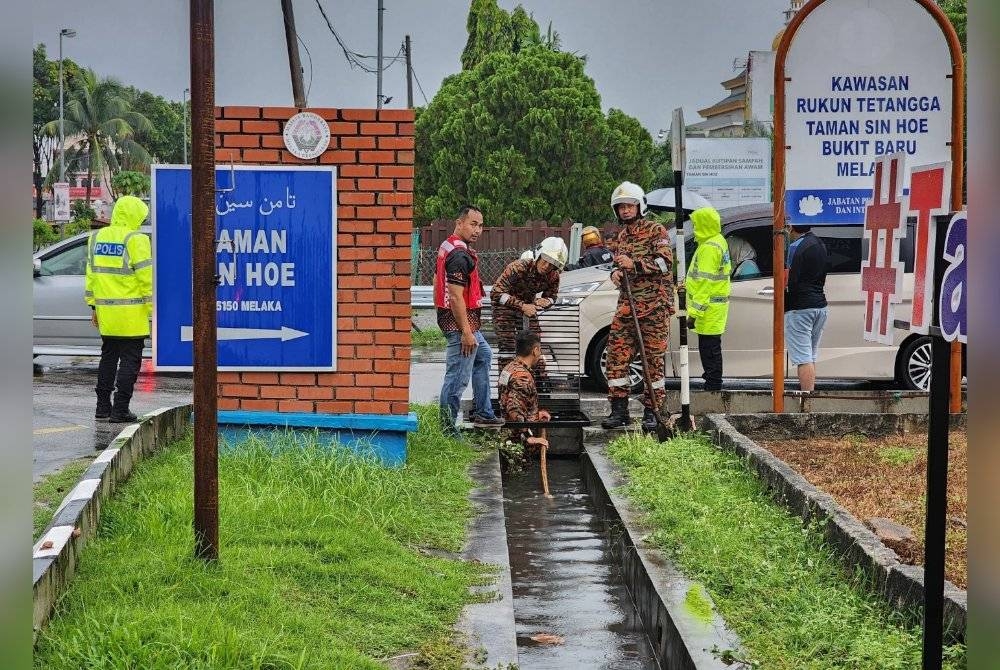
65 32
187 91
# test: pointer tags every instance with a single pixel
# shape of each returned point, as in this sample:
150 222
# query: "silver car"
747 343
61 321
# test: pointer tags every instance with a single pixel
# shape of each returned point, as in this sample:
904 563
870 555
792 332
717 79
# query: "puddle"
564 581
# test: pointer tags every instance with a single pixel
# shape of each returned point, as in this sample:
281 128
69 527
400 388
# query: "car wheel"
599 365
913 369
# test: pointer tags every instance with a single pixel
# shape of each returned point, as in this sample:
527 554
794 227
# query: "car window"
843 247
750 250
71 261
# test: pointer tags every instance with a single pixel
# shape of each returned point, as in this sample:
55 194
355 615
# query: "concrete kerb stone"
859 548
489 626
659 590
57 552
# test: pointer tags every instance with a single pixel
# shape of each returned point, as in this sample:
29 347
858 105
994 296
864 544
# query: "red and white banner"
885 228
930 195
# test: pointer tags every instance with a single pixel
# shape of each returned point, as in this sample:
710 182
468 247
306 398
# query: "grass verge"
50 491
775 582
431 338
327 560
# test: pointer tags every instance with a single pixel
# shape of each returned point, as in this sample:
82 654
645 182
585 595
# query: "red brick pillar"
373 152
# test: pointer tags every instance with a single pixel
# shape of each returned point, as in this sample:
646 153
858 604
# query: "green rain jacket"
707 280
120 272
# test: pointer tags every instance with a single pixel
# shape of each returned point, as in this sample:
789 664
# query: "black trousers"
710 350
118 370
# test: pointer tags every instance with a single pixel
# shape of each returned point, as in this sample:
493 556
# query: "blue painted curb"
378 434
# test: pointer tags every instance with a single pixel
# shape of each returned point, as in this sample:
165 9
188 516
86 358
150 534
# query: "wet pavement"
63 425
564 580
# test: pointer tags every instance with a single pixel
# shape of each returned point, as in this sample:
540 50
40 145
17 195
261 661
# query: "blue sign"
276 257
954 285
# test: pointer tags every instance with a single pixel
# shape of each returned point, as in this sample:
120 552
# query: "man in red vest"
458 296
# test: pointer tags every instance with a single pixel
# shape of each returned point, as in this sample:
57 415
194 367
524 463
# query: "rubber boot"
619 414
649 422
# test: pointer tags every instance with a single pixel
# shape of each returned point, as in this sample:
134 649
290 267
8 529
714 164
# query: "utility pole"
294 65
409 75
203 293
381 9
65 32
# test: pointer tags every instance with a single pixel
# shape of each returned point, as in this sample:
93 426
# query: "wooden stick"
545 471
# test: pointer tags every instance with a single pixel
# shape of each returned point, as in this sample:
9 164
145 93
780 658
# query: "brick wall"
373 152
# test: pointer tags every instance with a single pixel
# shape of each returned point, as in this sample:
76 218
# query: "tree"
520 131
100 114
45 109
164 139
128 182
957 12
662 166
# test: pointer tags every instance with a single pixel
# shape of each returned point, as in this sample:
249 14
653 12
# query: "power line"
417 79
353 57
309 56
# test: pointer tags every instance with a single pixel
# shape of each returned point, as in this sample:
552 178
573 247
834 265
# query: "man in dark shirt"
805 302
458 296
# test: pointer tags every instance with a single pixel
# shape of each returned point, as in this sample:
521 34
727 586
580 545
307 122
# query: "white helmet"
553 250
628 192
528 255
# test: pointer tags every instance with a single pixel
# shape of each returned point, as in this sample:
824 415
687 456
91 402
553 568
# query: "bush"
76 226
81 210
42 233
128 182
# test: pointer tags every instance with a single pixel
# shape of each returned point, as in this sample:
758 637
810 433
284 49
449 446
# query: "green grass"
897 455
50 491
774 582
432 338
327 560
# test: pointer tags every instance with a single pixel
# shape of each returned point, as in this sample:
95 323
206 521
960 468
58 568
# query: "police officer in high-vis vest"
708 292
119 290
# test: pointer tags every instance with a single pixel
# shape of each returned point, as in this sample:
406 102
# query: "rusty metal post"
206 436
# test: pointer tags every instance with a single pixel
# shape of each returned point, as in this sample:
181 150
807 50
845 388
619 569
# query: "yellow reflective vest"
707 280
119 282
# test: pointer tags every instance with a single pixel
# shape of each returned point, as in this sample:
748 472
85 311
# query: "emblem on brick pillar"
306 135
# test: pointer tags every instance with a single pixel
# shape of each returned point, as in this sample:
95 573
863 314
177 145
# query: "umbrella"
663 199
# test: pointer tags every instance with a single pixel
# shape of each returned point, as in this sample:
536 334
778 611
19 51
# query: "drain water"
564 581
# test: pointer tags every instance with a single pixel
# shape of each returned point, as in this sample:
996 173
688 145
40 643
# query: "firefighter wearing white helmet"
525 286
642 250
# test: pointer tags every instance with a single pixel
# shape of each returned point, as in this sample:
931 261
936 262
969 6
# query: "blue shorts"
803 328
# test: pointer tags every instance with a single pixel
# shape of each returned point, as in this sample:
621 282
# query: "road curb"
901 585
56 553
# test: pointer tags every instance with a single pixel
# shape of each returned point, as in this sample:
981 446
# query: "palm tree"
101 115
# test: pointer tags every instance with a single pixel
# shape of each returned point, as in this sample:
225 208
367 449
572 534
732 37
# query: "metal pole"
409 75
678 156
206 437
62 137
381 9
185 128
294 64
937 503
682 301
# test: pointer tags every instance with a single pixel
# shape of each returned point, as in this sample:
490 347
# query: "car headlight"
574 295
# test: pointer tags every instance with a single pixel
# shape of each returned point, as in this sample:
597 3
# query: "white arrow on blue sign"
276 258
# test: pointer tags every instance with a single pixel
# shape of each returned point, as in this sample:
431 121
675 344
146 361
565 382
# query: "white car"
747 342
61 319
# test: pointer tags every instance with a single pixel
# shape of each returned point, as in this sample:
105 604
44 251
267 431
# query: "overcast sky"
645 56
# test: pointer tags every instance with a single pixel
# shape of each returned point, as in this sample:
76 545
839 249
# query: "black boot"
103 411
649 420
619 414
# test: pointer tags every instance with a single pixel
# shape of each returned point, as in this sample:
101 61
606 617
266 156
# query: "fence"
497 238
491 264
